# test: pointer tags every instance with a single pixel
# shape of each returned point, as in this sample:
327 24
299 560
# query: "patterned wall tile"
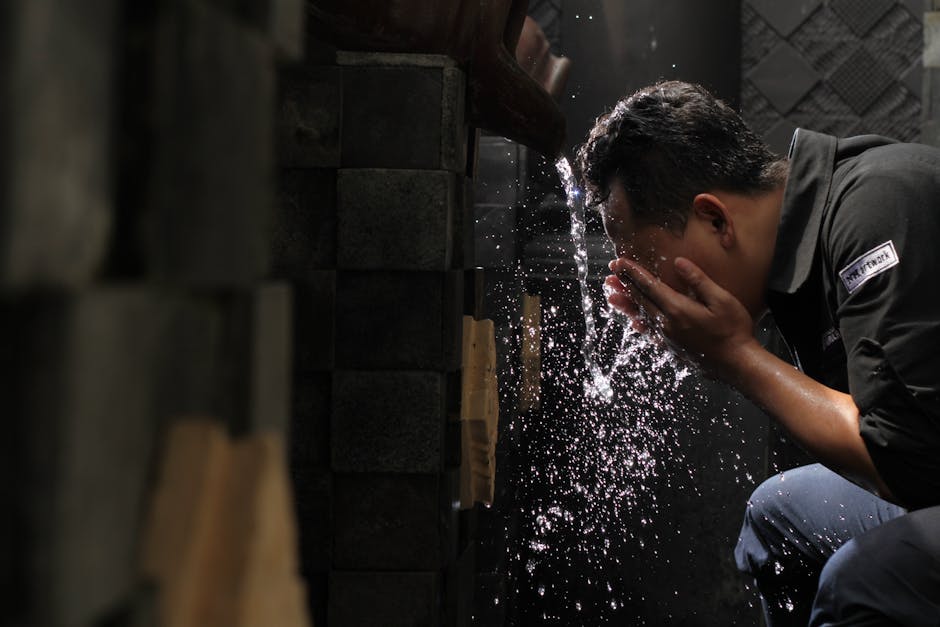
896 113
825 41
860 80
785 16
760 38
847 67
861 15
824 110
896 41
761 115
784 77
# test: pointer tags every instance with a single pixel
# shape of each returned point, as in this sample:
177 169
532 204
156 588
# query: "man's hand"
709 323
715 329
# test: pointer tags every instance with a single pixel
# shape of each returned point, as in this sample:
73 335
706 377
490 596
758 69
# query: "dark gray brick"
387 522
396 219
388 421
390 599
399 111
207 221
308 126
304 233
399 320
56 170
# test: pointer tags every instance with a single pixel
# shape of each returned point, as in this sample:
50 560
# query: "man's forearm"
824 421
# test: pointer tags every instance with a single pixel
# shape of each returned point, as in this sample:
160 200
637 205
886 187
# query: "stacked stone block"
138 166
374 233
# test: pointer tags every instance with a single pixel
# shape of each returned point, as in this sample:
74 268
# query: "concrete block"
387 522
304 232
390 599
396 219
314 335
309 117
208 216
310 419
403 111
57 82
399 320
388 421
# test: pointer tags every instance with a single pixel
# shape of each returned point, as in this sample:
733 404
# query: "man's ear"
715 217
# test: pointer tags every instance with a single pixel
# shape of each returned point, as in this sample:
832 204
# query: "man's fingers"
660 295
620 296
706 290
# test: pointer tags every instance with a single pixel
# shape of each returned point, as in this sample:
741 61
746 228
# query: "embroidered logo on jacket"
869 265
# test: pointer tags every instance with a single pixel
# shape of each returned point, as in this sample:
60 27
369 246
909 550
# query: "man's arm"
716 330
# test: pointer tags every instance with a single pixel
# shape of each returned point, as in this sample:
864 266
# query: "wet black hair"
669 142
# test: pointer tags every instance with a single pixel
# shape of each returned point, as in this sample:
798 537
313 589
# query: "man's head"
675 172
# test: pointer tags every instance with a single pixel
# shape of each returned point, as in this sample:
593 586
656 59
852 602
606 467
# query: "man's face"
653 247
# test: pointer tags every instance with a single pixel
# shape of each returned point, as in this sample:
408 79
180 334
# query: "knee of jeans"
758 533
763 510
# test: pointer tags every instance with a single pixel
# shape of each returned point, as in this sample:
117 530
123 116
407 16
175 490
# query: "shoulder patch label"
869 265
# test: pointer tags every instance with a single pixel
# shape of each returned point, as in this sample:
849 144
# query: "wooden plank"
220 541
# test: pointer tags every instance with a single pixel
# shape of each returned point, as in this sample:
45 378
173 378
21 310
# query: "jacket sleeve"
884 259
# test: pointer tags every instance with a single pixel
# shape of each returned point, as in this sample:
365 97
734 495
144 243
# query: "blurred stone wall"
137 160
205 215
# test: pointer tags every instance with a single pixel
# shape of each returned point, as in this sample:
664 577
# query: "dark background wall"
618 47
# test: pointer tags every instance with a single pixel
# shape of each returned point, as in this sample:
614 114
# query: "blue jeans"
825 552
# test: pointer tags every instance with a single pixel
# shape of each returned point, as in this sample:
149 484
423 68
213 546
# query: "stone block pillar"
374 232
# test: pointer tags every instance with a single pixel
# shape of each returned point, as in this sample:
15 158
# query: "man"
841 241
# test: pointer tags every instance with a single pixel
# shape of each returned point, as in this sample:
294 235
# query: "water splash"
597 385
597 460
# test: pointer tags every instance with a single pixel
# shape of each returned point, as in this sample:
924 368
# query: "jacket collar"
812 157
